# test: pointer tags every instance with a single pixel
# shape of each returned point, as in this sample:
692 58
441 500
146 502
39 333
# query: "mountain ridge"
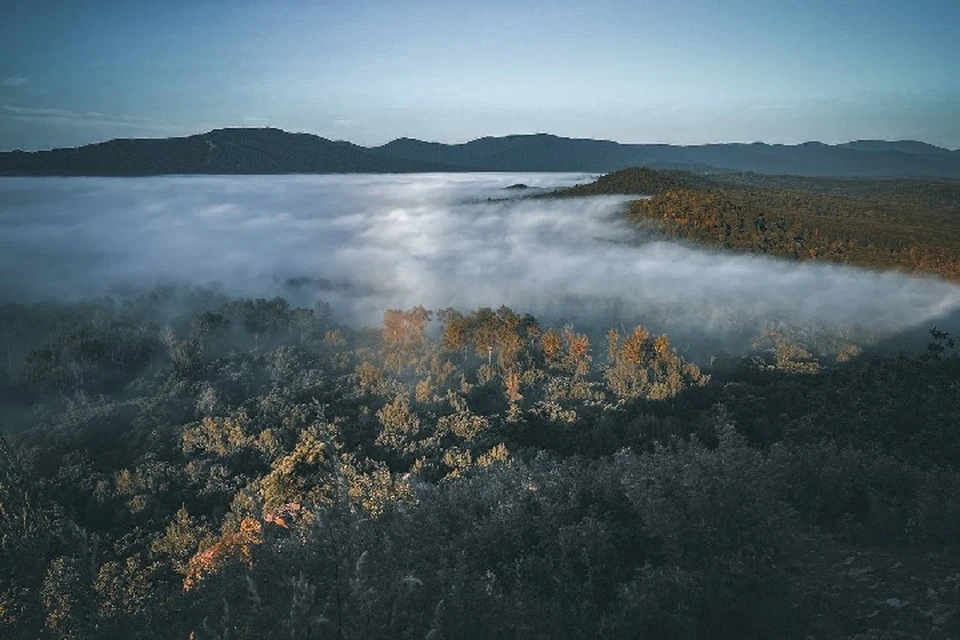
274 151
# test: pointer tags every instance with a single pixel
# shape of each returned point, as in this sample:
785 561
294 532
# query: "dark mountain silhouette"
907 146
221 151
239 151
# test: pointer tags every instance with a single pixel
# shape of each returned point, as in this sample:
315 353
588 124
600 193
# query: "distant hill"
240 151
544 152
221 151
911 225
638 181
907 146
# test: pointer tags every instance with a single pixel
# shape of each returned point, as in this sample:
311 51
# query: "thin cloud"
49 114
40 112
14 81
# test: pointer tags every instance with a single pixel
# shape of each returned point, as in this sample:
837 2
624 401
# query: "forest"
453 320
902 224
187 465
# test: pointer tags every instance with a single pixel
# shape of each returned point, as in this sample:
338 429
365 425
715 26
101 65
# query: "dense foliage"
909 225
243 468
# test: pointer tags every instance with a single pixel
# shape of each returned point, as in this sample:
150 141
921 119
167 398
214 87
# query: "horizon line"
484 137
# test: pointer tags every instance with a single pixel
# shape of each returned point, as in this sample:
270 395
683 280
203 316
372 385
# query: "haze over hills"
269 151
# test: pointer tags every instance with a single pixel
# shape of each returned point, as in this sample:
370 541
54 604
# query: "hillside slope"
221 151
266 151
908 225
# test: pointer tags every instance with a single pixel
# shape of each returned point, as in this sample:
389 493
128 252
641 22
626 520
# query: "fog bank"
371 242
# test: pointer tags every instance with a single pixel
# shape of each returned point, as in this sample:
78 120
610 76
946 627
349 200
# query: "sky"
368 71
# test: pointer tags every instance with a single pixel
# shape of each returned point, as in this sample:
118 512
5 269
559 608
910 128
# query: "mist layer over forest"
368 243
260 432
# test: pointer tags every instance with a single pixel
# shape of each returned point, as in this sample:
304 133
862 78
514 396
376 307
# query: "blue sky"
684 71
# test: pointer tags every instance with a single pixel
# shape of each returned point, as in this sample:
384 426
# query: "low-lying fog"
365 243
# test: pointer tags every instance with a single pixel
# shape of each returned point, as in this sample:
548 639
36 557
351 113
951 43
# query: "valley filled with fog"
381 320
366 243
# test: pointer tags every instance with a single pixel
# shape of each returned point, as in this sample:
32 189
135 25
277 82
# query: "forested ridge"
183 465
907 225
250 150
